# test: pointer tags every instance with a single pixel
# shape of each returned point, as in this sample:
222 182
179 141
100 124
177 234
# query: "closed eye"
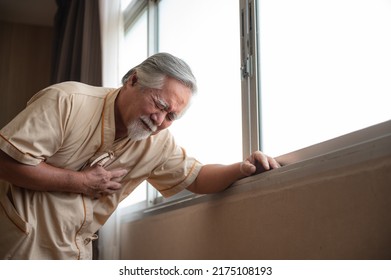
171 117
160 105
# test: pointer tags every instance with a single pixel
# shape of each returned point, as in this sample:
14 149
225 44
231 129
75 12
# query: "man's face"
155 110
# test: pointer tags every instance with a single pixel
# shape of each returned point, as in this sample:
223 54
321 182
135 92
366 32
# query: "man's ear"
134 79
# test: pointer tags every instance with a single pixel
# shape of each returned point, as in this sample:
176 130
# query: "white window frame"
250 89
130 15
251 98
133 12
249 77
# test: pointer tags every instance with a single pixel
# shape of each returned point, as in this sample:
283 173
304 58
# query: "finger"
113 186
273 163
118 173
116 179
108 191
247 168
262 159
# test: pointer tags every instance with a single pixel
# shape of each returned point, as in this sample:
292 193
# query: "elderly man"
76 151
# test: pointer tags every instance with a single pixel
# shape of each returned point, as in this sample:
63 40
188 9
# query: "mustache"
147 122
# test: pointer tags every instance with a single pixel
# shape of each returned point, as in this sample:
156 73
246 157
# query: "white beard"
137 130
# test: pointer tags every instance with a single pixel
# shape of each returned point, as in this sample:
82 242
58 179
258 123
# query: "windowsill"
372 143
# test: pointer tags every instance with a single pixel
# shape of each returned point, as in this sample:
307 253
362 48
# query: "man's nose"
158 118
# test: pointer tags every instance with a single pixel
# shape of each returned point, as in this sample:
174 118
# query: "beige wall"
25 55
335 206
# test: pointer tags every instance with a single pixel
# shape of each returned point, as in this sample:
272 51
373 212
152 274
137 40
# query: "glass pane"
125 4
206 35
325 69
134 51
134 48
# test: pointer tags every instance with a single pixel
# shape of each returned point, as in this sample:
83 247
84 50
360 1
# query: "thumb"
247 168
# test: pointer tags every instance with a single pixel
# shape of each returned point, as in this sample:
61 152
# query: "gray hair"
152 72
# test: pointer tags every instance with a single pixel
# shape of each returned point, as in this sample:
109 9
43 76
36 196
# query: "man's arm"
95 181
214 178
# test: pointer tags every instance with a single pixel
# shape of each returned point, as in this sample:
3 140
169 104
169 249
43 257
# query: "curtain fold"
77 52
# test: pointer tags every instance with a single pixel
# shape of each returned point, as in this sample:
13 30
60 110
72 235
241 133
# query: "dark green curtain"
77 53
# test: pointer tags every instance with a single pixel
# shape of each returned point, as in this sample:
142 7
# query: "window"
211 128
134 50
206 35
324 69
308 71
135 42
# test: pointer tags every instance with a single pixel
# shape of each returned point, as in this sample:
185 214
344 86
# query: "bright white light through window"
133 52
325 69
206 35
